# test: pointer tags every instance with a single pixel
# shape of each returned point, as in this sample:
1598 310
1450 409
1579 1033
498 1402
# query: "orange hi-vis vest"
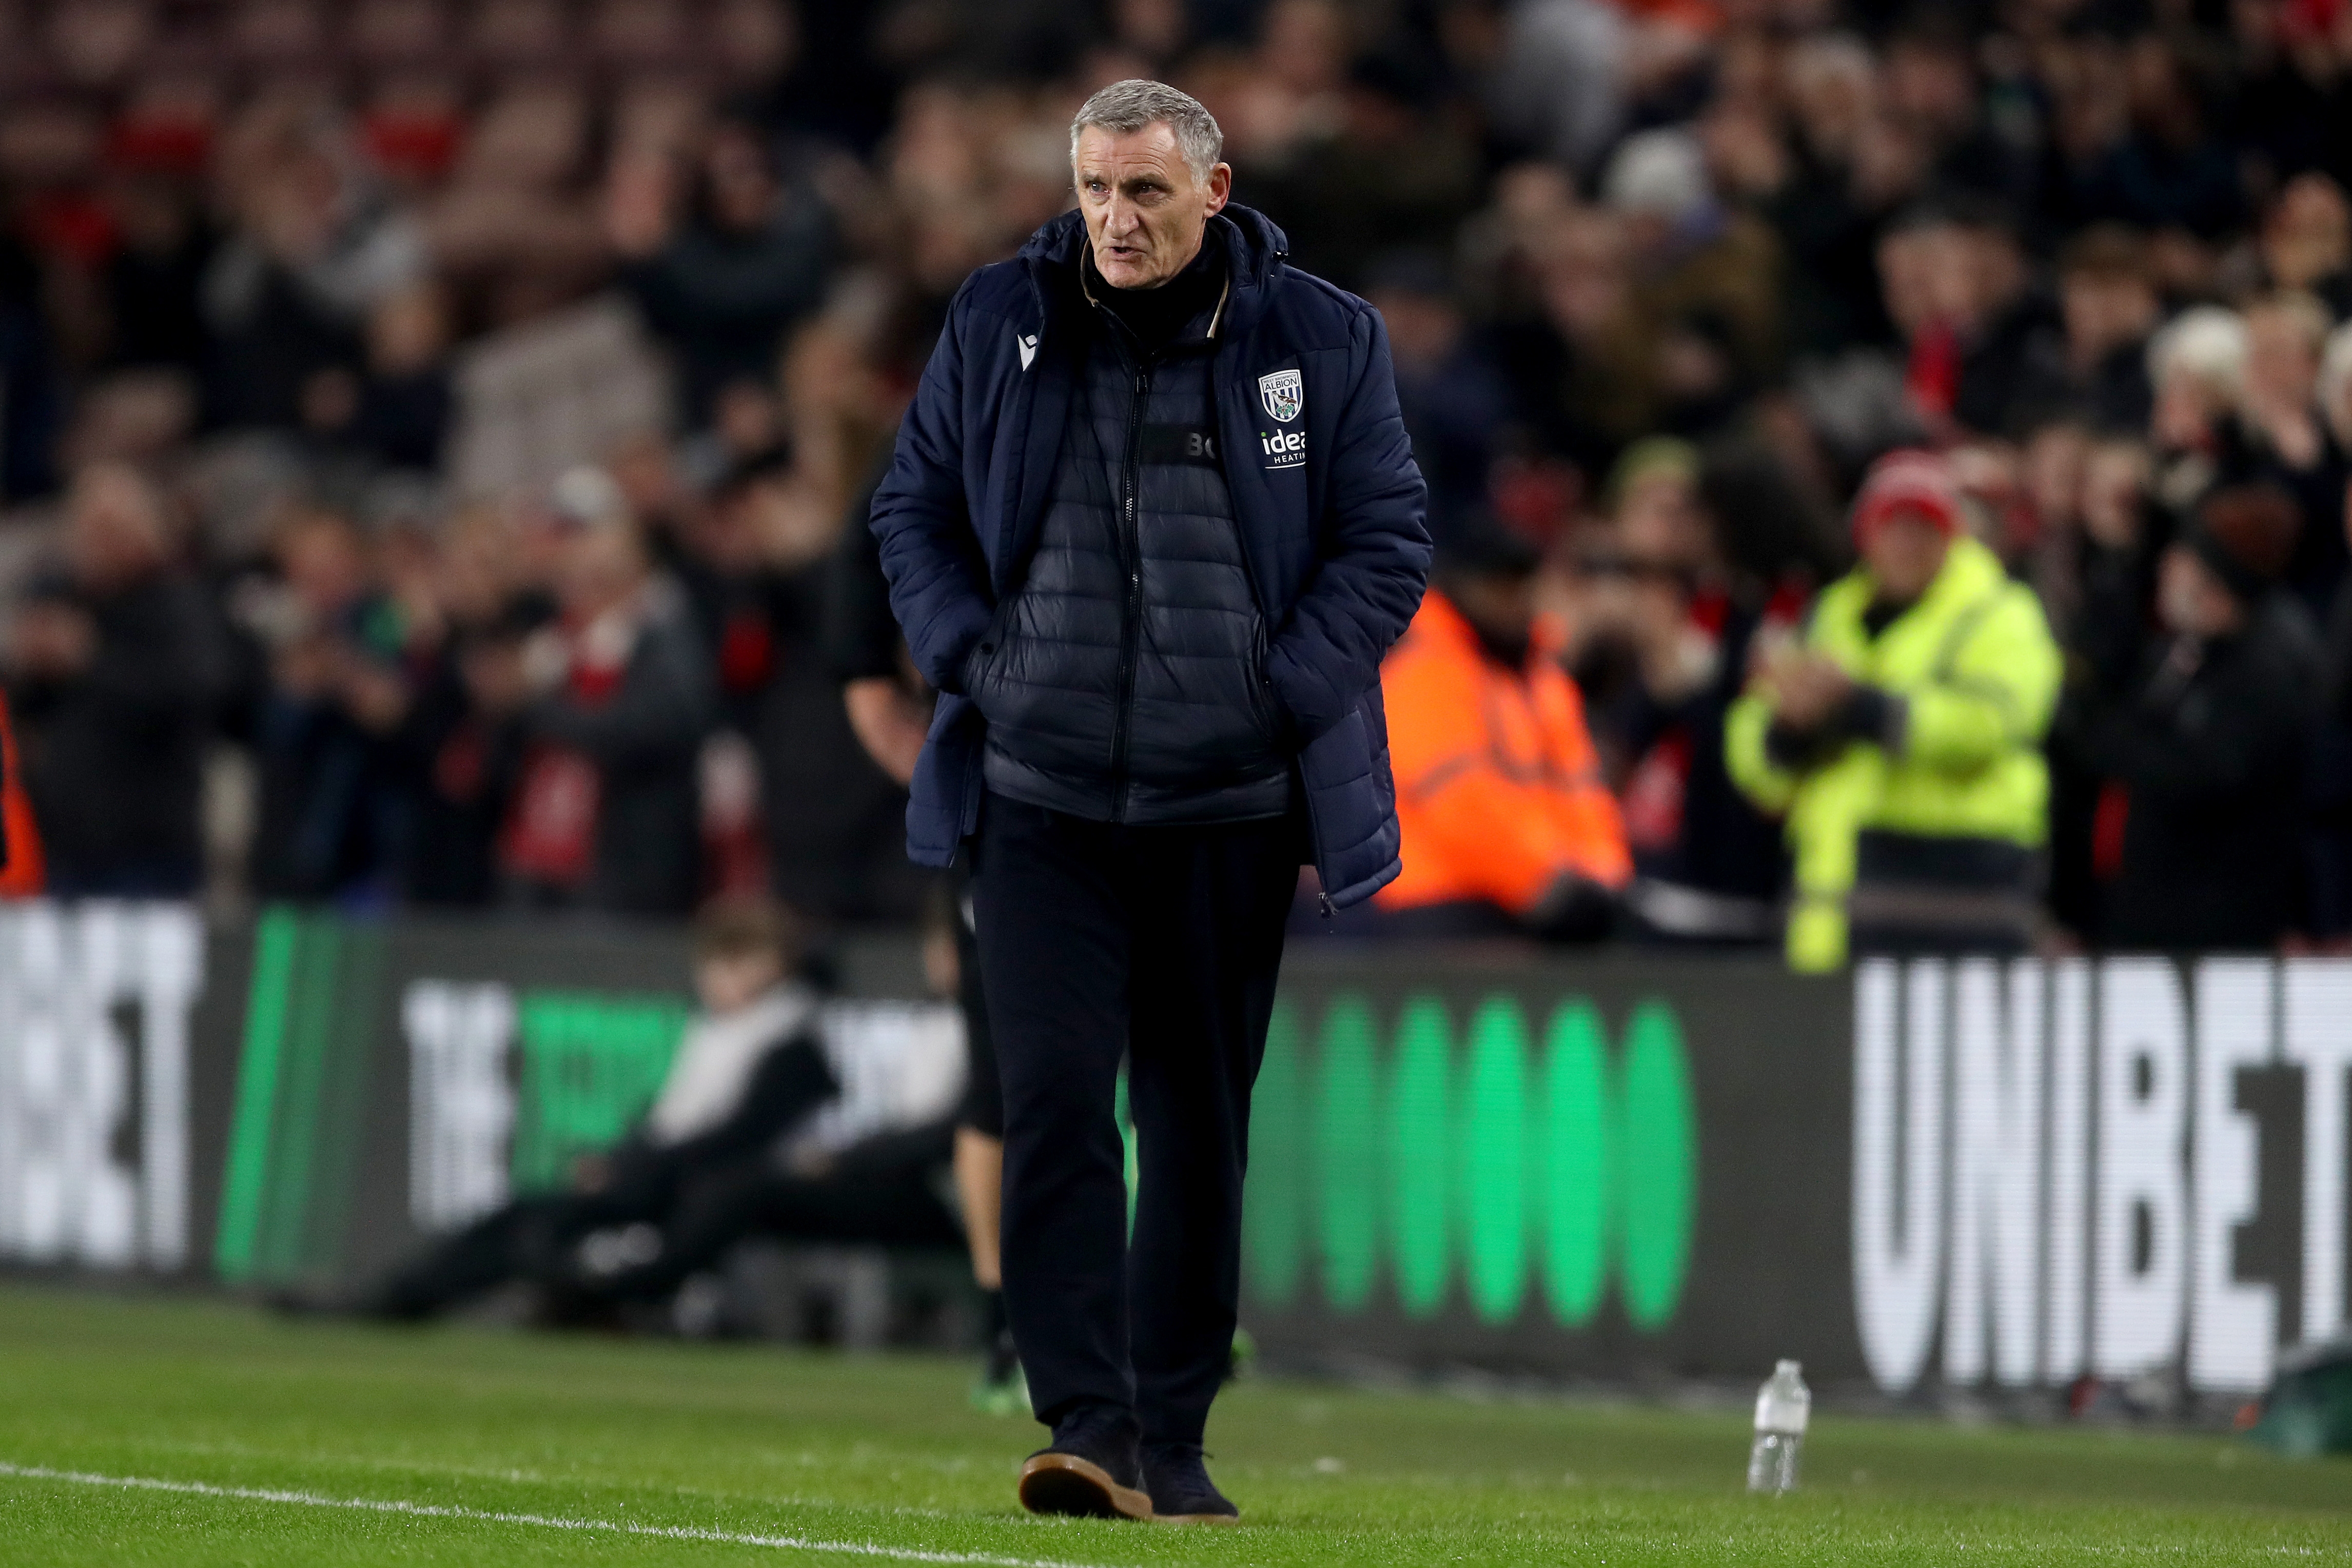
25 875
1499 790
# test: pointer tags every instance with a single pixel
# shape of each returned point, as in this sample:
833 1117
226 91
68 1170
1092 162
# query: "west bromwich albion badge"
1281 392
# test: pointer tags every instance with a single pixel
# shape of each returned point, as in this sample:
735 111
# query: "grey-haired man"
1152 524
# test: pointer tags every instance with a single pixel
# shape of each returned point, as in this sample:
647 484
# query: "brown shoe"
1095 1469
1055 1482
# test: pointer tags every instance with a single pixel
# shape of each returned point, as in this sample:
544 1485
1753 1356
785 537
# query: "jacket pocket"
982 656
1265 707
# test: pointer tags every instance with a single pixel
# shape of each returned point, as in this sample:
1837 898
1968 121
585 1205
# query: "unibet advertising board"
1939 1172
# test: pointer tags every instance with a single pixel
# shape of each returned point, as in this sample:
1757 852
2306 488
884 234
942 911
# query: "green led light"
1575 1165
1492 1164
1504 1164
591 1063
1274 1208
1419 1152
1344 1124
1660 1165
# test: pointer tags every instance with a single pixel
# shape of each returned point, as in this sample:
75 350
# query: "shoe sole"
1233 1519
1066 1484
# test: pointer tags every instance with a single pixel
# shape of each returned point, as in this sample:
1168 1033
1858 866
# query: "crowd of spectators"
311 595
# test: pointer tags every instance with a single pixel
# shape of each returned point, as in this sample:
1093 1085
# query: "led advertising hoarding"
1934 1174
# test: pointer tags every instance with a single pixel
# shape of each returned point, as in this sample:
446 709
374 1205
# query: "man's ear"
1221 187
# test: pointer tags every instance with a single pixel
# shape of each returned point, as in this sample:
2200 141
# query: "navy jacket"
1326 496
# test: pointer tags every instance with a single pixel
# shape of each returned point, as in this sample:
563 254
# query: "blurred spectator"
316 247
332 817
613 702
462 746
2306 241
1457 406
725 277
1665 628
2092 367
1709 277
1507 826
2283 438
2207 739
30 414
114 669
1903 740
835 823
401 412
2197 364
153 280
1376 172
2153 166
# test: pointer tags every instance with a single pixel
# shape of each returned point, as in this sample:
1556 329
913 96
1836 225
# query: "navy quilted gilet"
1123 682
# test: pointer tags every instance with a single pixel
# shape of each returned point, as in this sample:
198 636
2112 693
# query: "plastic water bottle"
1782 1407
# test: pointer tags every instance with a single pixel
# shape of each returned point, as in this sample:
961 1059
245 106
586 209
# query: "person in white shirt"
752 1071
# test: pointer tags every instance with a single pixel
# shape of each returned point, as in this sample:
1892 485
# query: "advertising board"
1941 1173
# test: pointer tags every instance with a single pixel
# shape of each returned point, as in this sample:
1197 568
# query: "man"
612 705
115 670
890 708
1903 742
1152 522
2208 740
1507 826
750 1068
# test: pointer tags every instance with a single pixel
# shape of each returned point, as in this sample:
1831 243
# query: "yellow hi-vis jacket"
1978 670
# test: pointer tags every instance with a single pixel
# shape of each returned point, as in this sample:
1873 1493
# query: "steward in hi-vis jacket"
1904 744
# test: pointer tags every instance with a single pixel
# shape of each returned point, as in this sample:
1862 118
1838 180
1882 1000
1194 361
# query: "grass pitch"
258 1443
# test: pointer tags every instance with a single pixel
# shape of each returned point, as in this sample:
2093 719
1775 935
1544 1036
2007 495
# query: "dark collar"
1157 318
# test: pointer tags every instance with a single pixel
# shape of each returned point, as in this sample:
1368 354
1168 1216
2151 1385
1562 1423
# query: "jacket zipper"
1130 626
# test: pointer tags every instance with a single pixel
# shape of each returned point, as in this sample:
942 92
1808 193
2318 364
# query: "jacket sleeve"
1374 552
1770 787
791 1080
2210 752
1997 696
938 579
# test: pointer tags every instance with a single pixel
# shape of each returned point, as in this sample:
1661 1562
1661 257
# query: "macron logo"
1028 348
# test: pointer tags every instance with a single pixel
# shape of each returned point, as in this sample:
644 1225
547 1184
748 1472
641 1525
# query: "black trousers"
1159 946
530 1238
533 1238
888 1205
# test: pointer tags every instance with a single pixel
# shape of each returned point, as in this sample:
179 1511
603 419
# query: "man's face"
2190 600
728 982
1902 555
1145 210
1502 605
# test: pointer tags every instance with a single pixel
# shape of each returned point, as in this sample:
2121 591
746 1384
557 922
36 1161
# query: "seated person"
751 1068
888 1189
1508 827
874 1168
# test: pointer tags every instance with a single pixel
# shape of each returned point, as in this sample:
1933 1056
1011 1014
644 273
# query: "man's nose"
1122 217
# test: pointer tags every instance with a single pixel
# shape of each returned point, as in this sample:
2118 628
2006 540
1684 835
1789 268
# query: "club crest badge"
1282 393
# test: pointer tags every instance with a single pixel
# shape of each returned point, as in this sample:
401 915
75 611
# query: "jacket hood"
1252 241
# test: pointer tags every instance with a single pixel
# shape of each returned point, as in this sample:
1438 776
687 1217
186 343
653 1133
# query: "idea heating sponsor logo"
2058 1167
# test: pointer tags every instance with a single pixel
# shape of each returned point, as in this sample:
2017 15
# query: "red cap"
1912 481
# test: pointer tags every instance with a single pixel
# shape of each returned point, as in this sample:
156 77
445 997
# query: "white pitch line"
540 1521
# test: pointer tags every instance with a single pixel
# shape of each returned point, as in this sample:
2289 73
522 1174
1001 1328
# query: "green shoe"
1002 1389
1242 1358
1006 1395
